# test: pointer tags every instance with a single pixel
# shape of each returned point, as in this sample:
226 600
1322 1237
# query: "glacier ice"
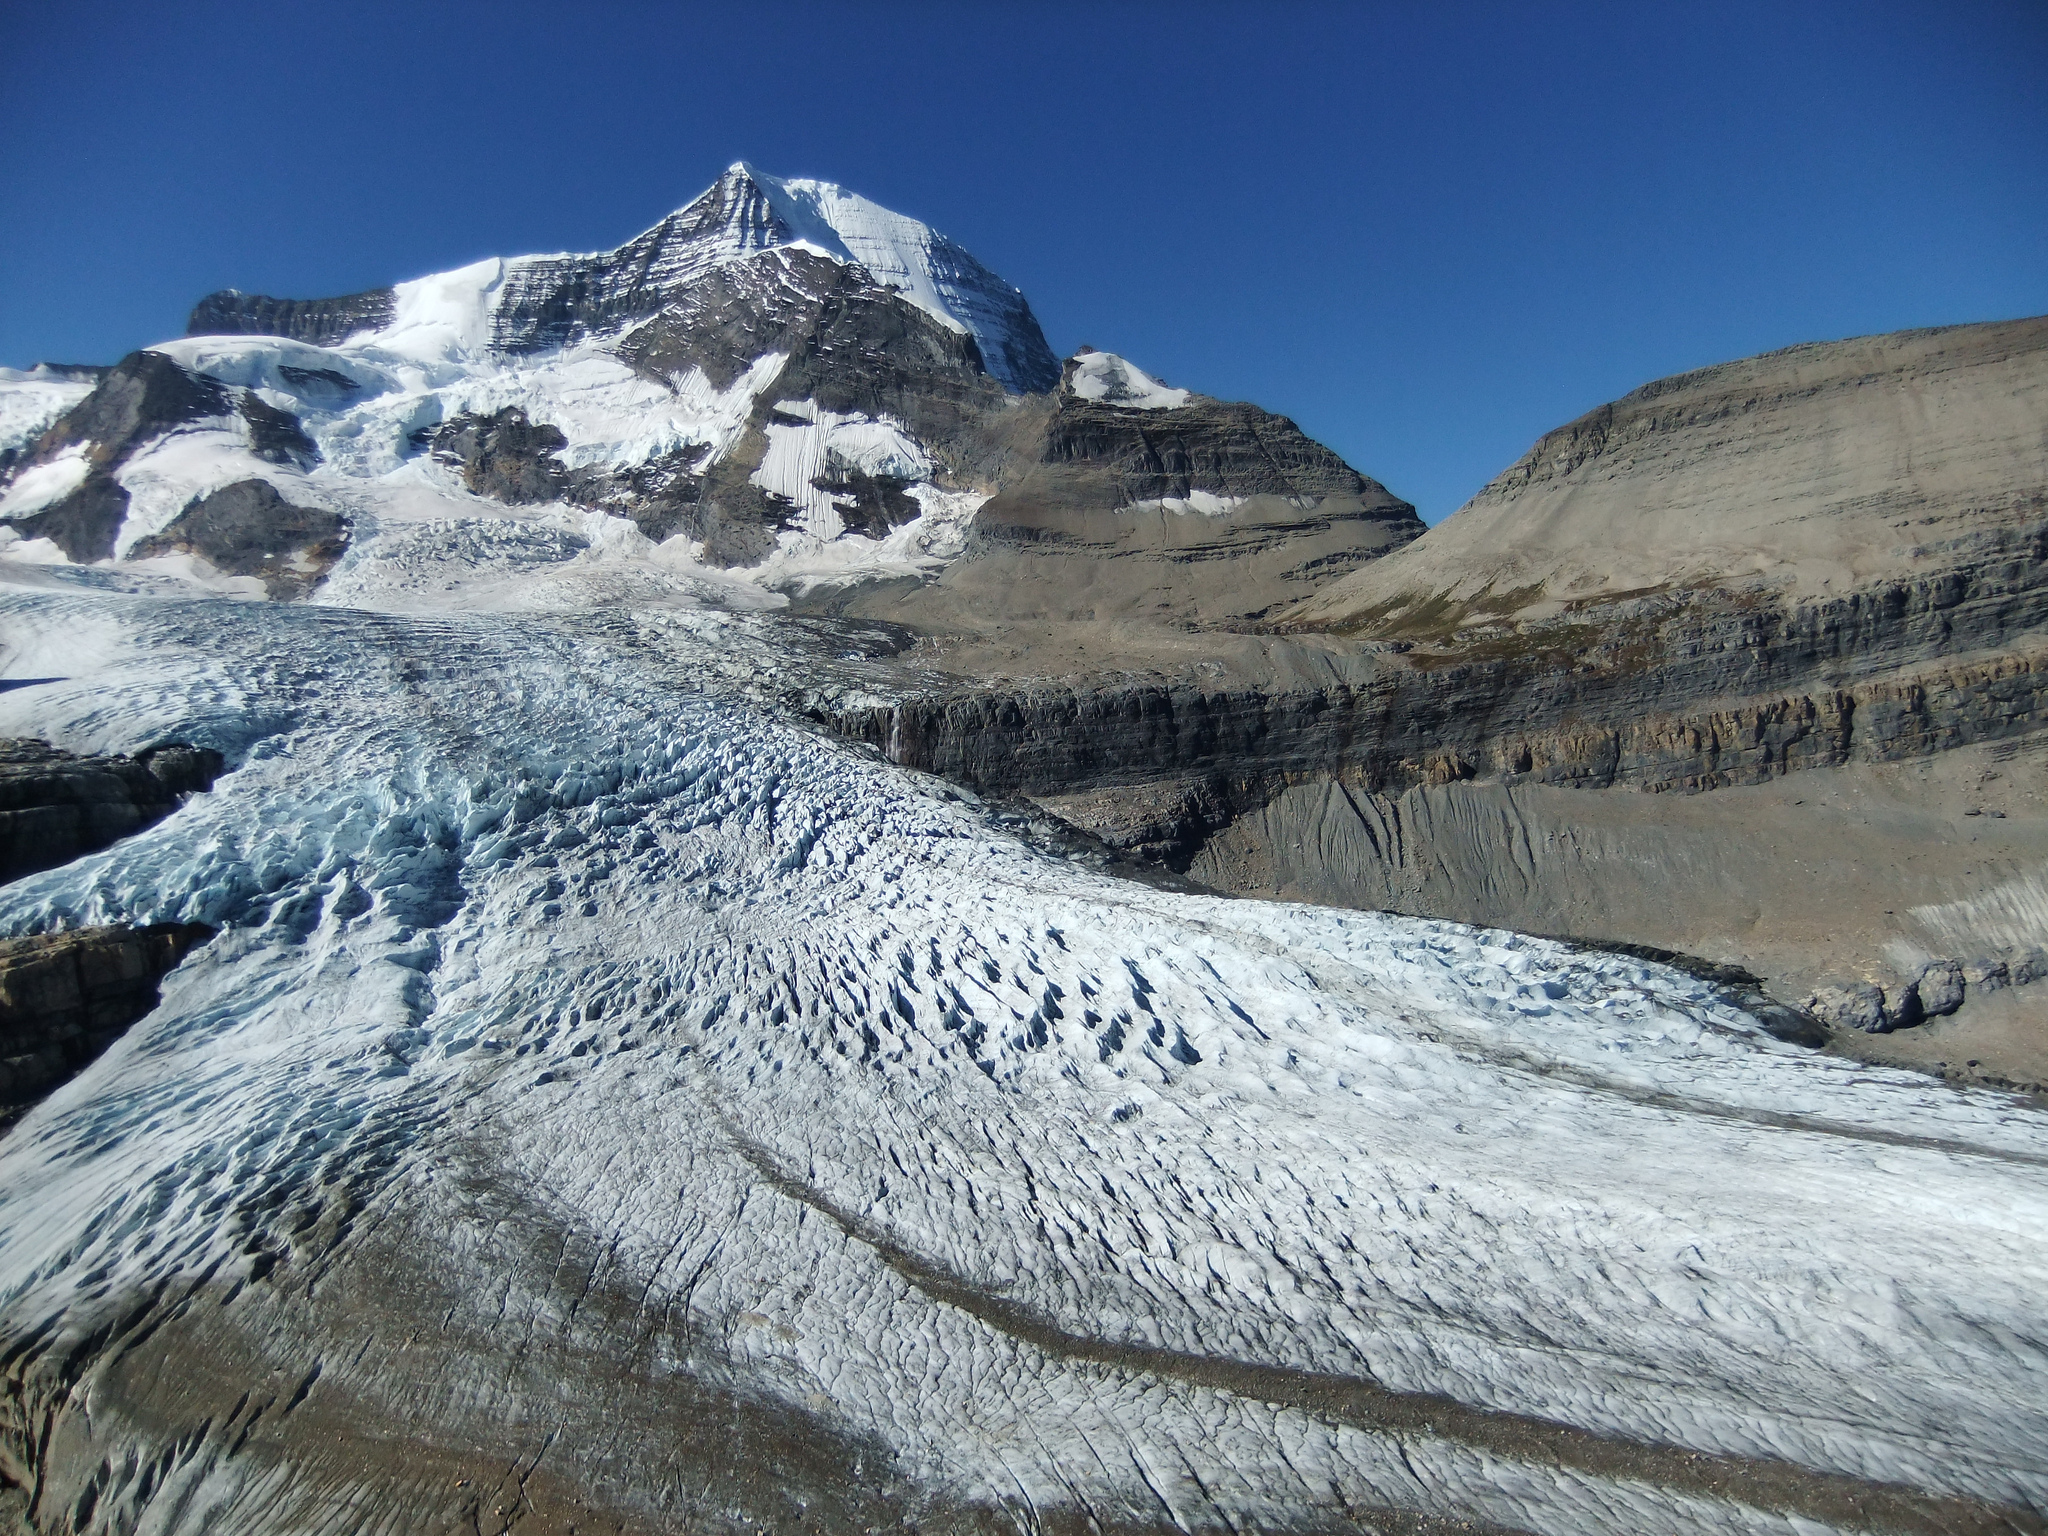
1053 1183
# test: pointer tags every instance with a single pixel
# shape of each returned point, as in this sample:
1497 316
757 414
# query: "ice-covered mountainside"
602 1079
644 383
538 303
781 380
32 398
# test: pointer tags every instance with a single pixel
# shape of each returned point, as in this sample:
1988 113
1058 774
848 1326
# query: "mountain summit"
536 303
780 384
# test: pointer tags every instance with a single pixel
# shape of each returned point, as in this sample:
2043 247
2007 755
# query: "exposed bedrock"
248 529
1499 782
317 322
1825 560
55 806
134 404
1698 699
140 398
65 997
504 455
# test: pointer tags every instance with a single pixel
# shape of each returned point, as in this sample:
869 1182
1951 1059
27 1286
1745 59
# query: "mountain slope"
781 380
1808 590
1809 472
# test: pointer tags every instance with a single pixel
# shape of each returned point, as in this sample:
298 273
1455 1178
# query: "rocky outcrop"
505 456
55 805
317 322
277 436
1228 449
142 397
248 529
66 997
136 402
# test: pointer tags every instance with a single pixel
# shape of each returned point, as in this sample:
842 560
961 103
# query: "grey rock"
1985 974
139 399
504 455
1902 1007
317 322
547 304
277 435
248 529
1940 987
55 805
65 997
1851 1005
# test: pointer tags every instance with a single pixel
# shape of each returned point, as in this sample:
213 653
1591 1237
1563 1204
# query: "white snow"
195 461
1199 502
831 442
33 398
1106 377
40 484
900 252
445 317
664 946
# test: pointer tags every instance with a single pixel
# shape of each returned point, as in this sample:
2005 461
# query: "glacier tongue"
1065 1191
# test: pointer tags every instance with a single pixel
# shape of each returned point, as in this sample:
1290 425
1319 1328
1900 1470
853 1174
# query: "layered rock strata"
1586 627
56 805
66 997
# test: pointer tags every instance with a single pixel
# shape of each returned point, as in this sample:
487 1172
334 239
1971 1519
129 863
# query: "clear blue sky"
1428 232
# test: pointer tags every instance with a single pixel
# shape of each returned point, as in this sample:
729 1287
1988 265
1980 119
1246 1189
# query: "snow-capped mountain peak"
933 272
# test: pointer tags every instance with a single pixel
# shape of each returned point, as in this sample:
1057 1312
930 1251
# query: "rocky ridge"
1890 610
56 805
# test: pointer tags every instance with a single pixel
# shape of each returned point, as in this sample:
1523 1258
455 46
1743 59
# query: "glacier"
1066 1196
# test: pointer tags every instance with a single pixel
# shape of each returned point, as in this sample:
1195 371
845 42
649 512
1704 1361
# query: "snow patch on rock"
1106 377
41 484
827 443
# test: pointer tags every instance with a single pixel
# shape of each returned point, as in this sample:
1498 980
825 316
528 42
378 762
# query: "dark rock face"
66 997
139 399
319 383
55 805
869 504
505 456
1227 448
248 529
277 435
317 322
548 304
83 524
1699 697
850 346
142 396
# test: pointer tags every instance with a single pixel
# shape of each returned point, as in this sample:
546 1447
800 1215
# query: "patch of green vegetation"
1438 617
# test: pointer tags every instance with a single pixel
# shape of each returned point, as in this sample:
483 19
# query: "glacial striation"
611 1104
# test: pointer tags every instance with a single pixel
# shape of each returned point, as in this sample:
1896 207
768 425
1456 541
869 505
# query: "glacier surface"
1072 1193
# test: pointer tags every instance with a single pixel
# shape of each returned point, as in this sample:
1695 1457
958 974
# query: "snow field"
690 961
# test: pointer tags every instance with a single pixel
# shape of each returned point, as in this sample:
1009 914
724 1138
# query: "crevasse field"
1070 1193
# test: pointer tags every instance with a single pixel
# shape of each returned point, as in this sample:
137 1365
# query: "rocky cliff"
65 997
1585 627
55 805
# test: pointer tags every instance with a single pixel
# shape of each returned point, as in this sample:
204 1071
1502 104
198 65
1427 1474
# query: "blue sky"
1429 233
